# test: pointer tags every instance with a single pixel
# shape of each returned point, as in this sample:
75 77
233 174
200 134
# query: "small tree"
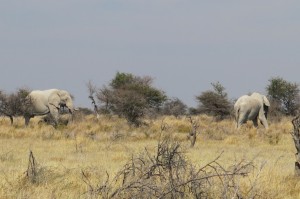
130 96
285 94
215 102
14 104
174 107
92 90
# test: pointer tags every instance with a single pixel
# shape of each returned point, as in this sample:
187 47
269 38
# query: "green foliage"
285 94
130 96
219 89
122 79
215 102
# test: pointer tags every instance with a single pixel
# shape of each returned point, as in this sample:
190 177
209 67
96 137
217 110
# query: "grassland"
101 147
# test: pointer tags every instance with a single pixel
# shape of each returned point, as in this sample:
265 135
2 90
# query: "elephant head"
61 99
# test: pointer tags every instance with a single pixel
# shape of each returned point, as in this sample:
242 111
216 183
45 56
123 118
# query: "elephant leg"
236 119
239 124
255 123
11 120
27 119
54 113
264 122
242 119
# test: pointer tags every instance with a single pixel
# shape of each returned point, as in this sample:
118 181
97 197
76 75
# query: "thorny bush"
169 174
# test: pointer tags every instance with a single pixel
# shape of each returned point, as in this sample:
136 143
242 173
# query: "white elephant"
254 107
48 101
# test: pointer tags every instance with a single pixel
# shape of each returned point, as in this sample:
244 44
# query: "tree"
285 94
215 102
174 107
92 90
130 96
14 104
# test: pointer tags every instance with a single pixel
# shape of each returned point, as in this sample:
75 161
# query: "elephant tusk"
54 105
73 110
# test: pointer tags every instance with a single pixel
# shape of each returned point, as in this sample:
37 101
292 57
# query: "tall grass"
99 148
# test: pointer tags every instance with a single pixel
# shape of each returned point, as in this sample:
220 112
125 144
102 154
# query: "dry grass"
104 146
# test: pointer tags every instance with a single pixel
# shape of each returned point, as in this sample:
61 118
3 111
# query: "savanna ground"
72 161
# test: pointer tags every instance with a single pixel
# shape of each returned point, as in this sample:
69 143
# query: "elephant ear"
64 96
54 99
266 101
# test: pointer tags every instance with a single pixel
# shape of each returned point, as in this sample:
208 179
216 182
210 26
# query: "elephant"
254 107
43 102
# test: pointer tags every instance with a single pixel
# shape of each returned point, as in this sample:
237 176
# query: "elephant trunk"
70 107
73 110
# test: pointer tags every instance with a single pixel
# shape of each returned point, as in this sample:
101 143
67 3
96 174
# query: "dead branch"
193 133
92 90
168 174
32 170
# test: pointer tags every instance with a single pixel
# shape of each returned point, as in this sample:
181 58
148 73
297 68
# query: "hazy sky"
183 44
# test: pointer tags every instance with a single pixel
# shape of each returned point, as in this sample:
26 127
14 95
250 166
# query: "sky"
184 45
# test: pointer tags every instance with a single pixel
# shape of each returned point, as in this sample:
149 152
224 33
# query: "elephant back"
261 98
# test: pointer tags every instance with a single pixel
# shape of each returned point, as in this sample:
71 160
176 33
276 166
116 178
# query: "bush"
215 102
285 95
174 107
14 104
130 97
169 174
85 111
